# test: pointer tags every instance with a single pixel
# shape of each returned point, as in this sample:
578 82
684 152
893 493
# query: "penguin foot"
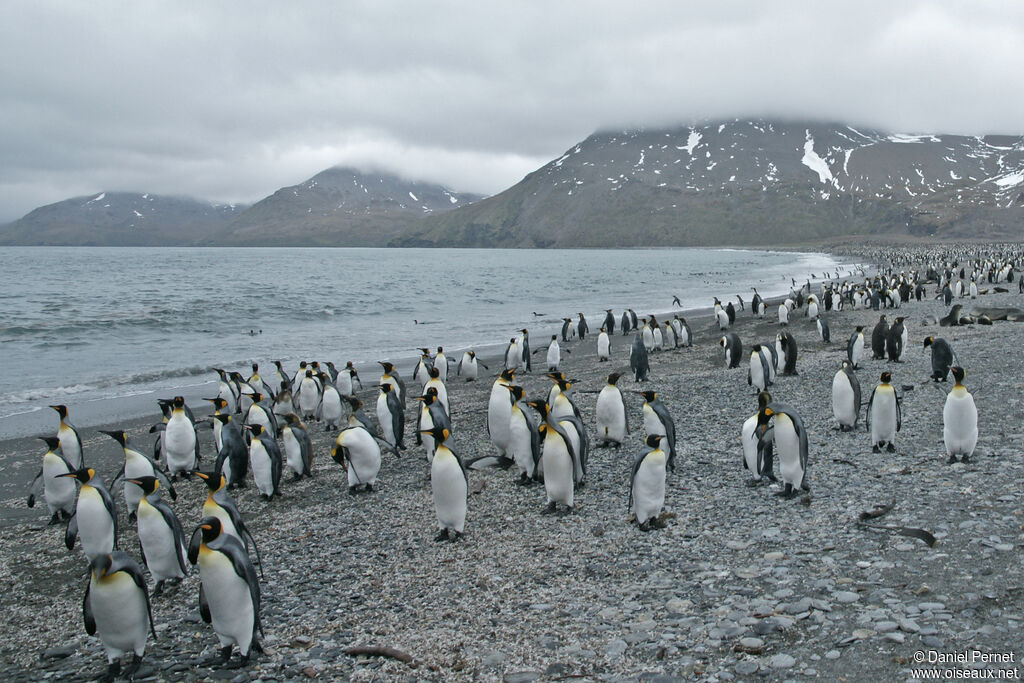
965 458
786 492
524 480
645 526
567 510
753 483
132 516
159 588
951 460
353 490
876 449
296 476
225 654
657 523
442 535
550 509
369 488
54 520
454 536
133 667
113 671
891 447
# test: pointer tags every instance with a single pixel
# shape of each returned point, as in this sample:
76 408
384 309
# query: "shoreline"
739 584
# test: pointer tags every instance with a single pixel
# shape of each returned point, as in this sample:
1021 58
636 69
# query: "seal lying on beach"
1010 313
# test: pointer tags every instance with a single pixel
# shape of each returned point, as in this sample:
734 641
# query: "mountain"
749 183
342 207
121 219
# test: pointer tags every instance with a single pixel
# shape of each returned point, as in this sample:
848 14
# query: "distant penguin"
753 457
160 535
659 340
884 415
855 347
879 335
783 314
943 357
603 345
823 332
306 395
669 335
812 307
449 486
638 360
627 324
431 414
467 368
896 341
790 444
58 490
357 451
647 334
298 447
609 321
391 417
554 354
525 356
610 414
647 485
441 363
116 607
733 350
233 456
657 420
721 316
95 517
730 311
70 441
513 356
686 334
279 378
582 328
524 438
567 329
227 390
419 373
180 442
789 353
265 462
347 380
846 397
959 420
499 412
229 594
758 373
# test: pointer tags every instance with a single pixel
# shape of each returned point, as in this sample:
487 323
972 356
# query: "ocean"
107 331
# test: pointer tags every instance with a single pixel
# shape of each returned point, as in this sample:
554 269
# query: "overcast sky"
229 101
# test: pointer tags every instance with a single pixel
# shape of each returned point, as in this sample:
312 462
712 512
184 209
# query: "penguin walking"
449 485
604 345
347 380
419 373
557 461
307 396
70 441
733 349
823 332
524 438
626 324
431 414
357 451
330 404
959 420
233 456
221 505
441 364
525 361
812 307
467 368
262 413
884 415
783 314
95 517
265 461
855 347
685 334
554 354
298 447
609 321
639 362
136 465
758 375
754 458
116 607
943 357
391 417
513 357
896 340
658 421
846 397
160 535
647 485
582 328
879 335
789 438
610 414
568 331
227 391
787 344
58 491
730 312
721 316
229 593
180 442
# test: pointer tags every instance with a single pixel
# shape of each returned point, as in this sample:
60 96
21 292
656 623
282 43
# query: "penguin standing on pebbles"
70 441
58 492
233 457
789 352
265 461
879 335
896 340
884 415
823 332
524 438
789 438
611 415
658 421
846 397
604 345
160 535
298 447
959 420
855 347
754 458
647 485
357 451
733 349
557 461
467 368
449 485
116 607
391 417
943 357
95 517
638 360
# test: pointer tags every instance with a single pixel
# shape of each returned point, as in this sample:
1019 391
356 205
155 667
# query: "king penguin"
116 607
233 456
136 465
524 438
221 505
758 374
229 592
58 491
943 357
733 349
330 403
884 414
298 447
610 414
823 332
878 336
499 411
959 420
467 368
638 360
604 345
647 485
449 485
846 397
160 535
391 376
896 340
789 352
357 451
609 321
790 442
557 461
95 518
855 347
70 441
658 421
391 417
180 442
265 461
754 459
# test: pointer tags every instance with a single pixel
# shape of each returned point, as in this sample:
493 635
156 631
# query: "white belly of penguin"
787 446
520 442
330 407
158 544
227 526
180 443
558 469
135 467
59 491
603 346
649 487
384 419
292 452
960 424
757 372
499 410
448 486
227 594
842 400
119 608
262 471
95 526
883 416
750 445
610 415
652 424
365 457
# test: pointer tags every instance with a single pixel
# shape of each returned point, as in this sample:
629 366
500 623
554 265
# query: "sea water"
107 331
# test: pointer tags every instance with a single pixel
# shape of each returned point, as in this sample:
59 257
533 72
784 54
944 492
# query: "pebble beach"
740 584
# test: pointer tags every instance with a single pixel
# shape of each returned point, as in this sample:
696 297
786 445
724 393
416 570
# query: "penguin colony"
260 424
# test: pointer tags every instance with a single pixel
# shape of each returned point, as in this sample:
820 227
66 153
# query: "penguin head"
293 420
147 484
860 328
102 566
540 406
526 331
256 429
215 481
439 433
178 402
388 367
928 341
472 354
614 377
210 527
354 403
302 365
223 418
564 384
52 442
255 368
83 475
218 402
508 374
440 349
117 435
881 318
648 395
886 377
278 365
434 373
555 376
62 410
385 388
653 440
309 374
723 342
958 374
349 366
554 337
257 396
515 390
763 399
